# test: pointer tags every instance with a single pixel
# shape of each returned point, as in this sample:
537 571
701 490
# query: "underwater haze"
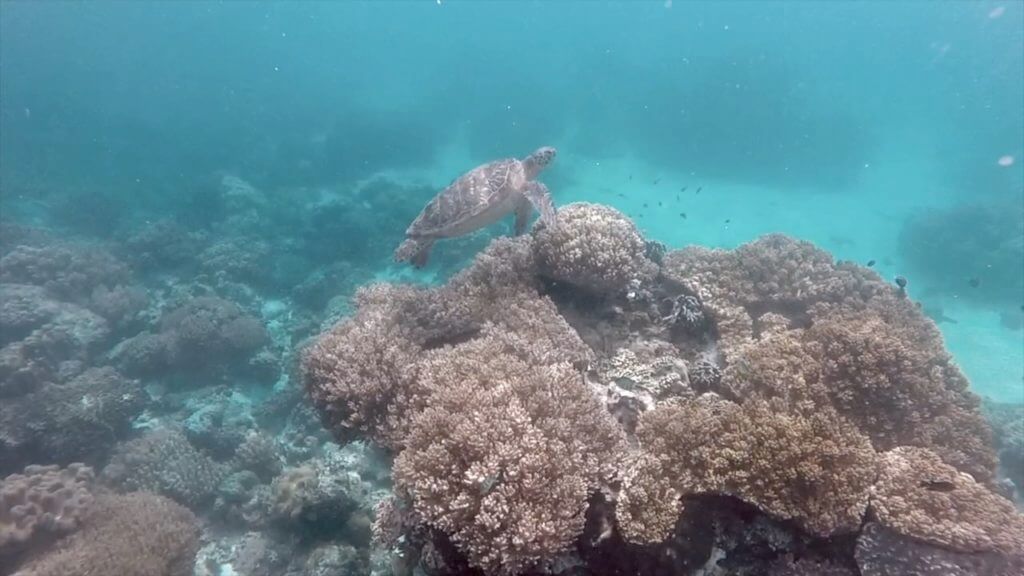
788 230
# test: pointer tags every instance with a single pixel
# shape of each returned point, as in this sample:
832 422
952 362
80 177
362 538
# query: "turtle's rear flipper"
539 195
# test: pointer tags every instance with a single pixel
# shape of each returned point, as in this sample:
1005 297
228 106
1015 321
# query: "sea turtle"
479 198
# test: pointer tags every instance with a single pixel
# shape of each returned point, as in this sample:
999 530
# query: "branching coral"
139 534
648 505
164 462
918 495
593 247
813 468
361 374
506 453
202 334
499 413
901 388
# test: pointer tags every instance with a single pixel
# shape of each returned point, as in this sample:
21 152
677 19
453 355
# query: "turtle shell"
467 201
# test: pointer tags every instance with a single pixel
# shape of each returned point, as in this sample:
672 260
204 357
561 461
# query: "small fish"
656 180
683 189
630 177
659 204
938 485
974 282
727 220
682 215
645 204
870 263
901 282
677 197
699 188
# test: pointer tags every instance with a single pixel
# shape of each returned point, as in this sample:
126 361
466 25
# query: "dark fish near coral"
974 282
936 313
870 263
901 282
938 485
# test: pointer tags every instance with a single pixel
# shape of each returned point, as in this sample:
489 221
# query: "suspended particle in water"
997 12
1005 161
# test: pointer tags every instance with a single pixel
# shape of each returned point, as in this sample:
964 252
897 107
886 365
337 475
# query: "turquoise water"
272 154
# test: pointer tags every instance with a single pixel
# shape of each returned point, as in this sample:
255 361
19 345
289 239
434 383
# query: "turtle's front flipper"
539 195
523 211
416 251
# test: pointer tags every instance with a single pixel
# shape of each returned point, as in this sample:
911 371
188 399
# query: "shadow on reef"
580 401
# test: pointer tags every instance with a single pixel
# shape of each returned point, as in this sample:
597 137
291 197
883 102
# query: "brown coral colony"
569 379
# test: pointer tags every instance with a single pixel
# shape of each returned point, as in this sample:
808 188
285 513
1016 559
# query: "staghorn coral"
883 368
41 504
814 468
361 373
164 462
593 247
773 274
918 495
648 505
901 387
139 534
505 454
356 371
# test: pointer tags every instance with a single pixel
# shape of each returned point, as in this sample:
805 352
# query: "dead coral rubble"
794 378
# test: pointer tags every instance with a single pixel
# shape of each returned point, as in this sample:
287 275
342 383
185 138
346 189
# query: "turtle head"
538 161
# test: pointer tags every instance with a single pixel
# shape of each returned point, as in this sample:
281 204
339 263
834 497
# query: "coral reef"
918 495
139 534
814 468
79 420
505 454
163 462
762 386
40 505
594 247
206 333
